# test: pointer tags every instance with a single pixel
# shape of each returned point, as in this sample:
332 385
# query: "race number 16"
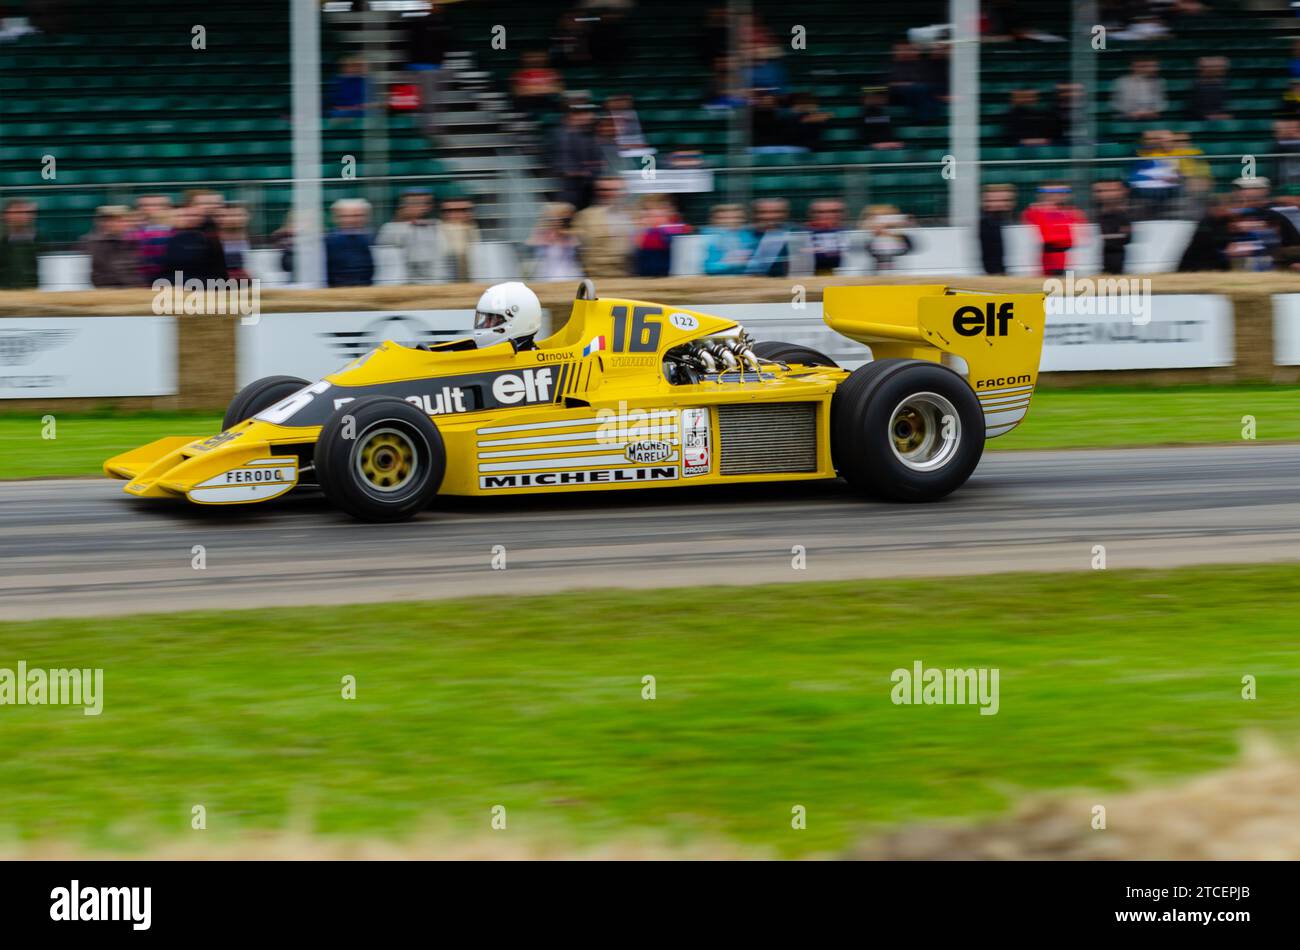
644 335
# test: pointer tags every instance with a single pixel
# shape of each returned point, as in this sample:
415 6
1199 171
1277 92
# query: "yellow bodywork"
591 408
998 354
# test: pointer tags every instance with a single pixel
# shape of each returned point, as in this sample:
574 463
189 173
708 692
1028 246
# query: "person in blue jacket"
728 244
348 261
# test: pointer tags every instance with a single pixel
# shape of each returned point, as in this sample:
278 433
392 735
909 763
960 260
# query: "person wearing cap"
1252 191
1255 203
1055 219
1254 196
113 259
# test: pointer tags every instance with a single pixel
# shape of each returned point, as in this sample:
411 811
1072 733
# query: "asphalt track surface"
81 547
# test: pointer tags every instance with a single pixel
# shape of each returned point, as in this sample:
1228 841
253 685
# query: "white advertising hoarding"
66 357
1286 329
1177 331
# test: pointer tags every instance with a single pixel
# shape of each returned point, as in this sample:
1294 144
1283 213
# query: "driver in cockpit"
508 311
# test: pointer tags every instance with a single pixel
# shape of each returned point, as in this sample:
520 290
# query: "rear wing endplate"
994 340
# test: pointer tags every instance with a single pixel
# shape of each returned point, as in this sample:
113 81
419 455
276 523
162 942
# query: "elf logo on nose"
991 321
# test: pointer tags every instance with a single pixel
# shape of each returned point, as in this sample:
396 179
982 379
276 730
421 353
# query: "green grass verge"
1058 419
82 441
1115 417
766 698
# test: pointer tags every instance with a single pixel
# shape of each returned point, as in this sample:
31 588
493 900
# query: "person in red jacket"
1055 218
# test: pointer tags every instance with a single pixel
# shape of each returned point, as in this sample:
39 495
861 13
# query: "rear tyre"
792 353
853 390
380 459
907 430
258 395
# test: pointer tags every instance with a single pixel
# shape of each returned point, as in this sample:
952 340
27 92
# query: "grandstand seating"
122 99
661 68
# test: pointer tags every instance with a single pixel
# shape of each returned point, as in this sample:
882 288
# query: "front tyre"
380 459
258 395
914 433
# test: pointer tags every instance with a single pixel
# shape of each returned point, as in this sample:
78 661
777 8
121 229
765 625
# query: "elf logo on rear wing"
991 321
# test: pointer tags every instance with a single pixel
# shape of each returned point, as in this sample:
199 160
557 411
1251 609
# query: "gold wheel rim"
909 430
386 460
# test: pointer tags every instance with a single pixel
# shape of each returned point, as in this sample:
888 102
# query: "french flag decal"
597 343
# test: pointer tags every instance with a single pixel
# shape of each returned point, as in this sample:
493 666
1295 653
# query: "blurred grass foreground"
765 701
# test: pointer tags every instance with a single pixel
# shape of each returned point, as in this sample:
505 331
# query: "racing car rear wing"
994 340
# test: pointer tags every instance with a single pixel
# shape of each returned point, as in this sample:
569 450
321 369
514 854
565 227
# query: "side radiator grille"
768 438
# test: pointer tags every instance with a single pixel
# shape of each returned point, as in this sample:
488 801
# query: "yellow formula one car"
628 394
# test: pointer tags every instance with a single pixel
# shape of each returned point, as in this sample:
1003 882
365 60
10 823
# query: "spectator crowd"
204 237
594 149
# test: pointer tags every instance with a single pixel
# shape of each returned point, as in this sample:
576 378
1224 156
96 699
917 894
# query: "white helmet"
508 311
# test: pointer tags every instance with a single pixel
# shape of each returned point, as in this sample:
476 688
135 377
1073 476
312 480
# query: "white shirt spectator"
1138 95
421 245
